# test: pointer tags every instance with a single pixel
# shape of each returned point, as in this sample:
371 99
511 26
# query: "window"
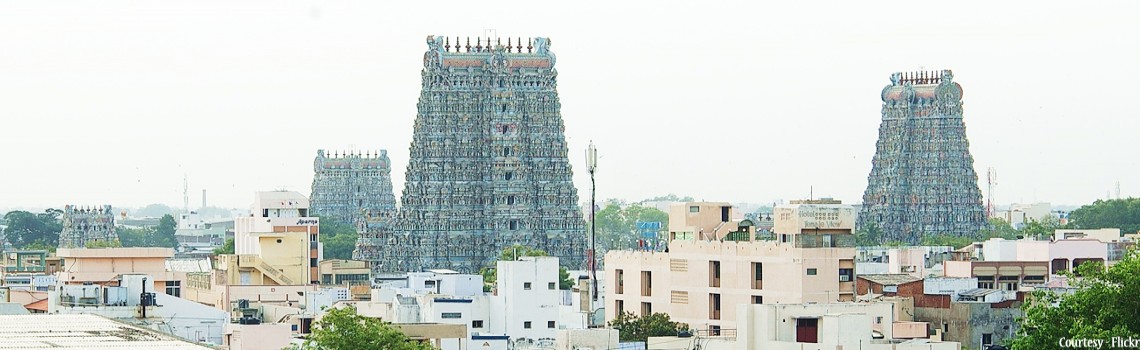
646 283
878 319
757 299
646 309
783 238
714 274
508 175
714 331
619 306
811 272
526 285
526 324
550 286
845 275
477 324
312 262
987 339
714 306
514 223
620 281
451 315
511 200
694 209
174 288
549 324
757 275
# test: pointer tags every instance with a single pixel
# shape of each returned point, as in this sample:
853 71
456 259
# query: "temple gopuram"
488 166
349 186
83 225
922 179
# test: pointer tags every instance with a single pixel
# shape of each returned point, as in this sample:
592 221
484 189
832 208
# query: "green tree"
632 328
513 253
25 228
226 248
345 329
617 224
164 234
868 235
1105 305
339 239
1112 213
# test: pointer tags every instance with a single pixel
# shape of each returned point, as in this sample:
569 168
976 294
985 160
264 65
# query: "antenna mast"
185 193
991 183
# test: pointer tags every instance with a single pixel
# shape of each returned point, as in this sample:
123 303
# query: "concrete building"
1020 213
527 310
28 270
812 257
874 326
1105 235
344 272
198 235
280 232
124 300
702 220
107 265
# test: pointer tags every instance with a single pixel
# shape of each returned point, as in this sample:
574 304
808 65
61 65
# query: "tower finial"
509 47
519 49
446 44
529 45
478 44
468 44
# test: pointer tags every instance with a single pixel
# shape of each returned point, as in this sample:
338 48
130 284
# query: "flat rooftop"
56 331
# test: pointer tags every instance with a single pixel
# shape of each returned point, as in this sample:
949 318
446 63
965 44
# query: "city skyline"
115 103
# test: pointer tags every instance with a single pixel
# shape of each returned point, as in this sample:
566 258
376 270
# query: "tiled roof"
58 331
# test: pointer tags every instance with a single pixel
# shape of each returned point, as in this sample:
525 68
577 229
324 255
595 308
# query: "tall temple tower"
488 165
349 186
922 179
87 224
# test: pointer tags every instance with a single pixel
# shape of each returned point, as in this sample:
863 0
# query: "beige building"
105 266
344 272
701 281
280 231
702 220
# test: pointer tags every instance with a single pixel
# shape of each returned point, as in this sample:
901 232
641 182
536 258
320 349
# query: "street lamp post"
592 166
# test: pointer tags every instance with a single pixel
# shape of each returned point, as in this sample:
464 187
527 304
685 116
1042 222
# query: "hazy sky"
113 101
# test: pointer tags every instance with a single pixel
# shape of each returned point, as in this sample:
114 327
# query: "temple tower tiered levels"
488 165
922 179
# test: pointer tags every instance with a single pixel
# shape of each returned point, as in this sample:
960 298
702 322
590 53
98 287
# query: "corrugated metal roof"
890 279
58 331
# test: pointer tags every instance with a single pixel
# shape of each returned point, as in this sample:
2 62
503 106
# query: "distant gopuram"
82 225
922 179
488 165
351 186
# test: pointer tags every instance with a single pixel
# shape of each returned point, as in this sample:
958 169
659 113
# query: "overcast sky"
114 101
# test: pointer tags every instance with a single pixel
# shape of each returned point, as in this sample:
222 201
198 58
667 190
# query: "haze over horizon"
115 102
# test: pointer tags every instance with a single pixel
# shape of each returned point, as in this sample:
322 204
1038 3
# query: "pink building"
105 266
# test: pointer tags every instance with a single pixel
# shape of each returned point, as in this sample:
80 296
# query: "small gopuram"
350 185
82 225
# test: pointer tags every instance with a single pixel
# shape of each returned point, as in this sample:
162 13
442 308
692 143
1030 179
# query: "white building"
167 314
528 309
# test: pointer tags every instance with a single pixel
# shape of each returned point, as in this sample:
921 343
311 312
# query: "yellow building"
700 280
280 233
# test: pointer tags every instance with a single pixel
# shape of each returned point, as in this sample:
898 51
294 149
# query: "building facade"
350 185
280 232
922 179
700 282
86 224
488 165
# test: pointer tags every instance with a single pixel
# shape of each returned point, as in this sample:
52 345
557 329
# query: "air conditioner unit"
844 278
